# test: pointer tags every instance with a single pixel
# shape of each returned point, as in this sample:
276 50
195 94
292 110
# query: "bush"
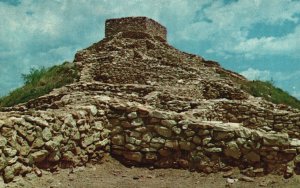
41 81
268 91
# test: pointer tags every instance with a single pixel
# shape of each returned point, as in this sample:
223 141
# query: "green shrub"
41 81
268 91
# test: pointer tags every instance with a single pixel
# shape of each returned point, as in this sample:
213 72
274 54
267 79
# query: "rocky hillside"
147 103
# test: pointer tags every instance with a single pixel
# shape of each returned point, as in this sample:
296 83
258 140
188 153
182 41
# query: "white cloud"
37 33
229 26
254 74
288 44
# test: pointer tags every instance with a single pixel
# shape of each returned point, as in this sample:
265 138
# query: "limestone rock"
118 140
173 144
168 123
252 157
10 152
186 145
163 131
276 140
158 115
3 162
52 145
133 156
232 150
137 122
132 115
176 130
38 143
39 156
47 135
3 142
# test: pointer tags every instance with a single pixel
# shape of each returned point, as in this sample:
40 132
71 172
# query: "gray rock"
47 135
173 144
118 140
98 126
137 122
135 134
158 115
102 143
176 130
184 145
3 162
295 143
197 140
3 142
247 179
70 121
150 156
9 174
189 133
163 131
168 123
276 140
206 140
37 120
10 152
91 109
12 161
52 145
222 135
133 156
87 141
38 143
147 137
158 140
213 150
39 156
132 115
2 123
203 132
68 156
252 157
54 156
131 147
297 160
232 150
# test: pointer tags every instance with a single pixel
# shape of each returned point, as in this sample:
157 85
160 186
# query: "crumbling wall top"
138 24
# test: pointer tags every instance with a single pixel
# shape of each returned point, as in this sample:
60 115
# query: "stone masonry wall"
137 24
51 139
137 134
162 139
252 116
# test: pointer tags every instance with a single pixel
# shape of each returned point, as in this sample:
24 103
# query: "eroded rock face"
145 102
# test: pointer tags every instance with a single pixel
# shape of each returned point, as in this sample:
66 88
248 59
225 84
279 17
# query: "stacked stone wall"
138 134
136 24
145 136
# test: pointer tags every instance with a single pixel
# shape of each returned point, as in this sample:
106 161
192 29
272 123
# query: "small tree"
34 75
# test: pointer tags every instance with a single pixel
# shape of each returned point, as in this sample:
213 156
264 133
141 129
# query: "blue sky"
257 38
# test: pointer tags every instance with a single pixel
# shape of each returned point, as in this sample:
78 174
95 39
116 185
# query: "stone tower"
136 24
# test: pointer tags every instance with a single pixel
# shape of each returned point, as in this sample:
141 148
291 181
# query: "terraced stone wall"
51 140
268 119
145 136
137 134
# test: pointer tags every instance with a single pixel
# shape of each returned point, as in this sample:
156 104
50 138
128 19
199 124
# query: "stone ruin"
137 24
146 103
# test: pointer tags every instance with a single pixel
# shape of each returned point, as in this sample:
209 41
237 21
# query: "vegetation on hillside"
268 91
41 81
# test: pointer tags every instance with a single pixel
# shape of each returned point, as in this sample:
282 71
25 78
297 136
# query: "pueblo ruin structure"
145 102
